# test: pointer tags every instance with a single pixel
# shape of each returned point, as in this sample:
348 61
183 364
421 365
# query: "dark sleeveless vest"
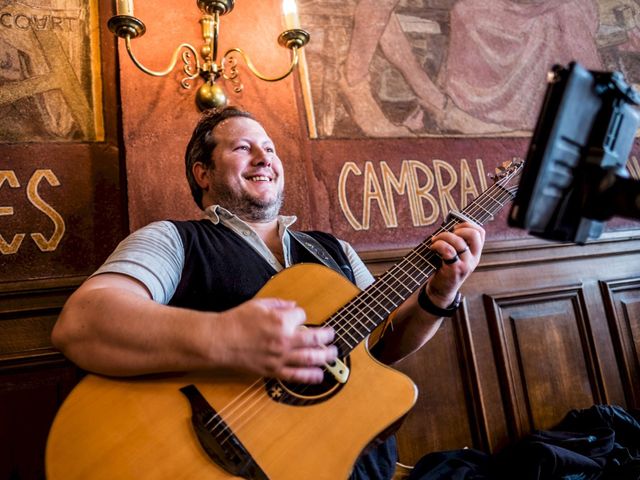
221 270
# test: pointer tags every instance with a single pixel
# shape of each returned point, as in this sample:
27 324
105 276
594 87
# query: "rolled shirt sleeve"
153 255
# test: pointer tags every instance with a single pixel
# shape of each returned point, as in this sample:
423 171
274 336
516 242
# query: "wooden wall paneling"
469 361
28 311
34 377
531 344
29 399
446 414
622 303
82 182
491 418
545 355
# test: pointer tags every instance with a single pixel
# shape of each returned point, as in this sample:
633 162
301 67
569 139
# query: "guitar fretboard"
358 318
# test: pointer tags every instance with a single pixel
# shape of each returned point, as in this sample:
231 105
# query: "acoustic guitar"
222 425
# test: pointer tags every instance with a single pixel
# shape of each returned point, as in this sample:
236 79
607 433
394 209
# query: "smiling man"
243 173
178 295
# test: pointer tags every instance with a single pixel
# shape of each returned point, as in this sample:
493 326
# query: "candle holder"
210 94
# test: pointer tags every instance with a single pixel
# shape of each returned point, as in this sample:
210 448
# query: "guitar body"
122 428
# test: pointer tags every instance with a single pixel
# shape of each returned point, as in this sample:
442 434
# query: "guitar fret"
349 313
390 294
488 211
384 307
395 302
425 260
352 337
343 346
500 204
361 313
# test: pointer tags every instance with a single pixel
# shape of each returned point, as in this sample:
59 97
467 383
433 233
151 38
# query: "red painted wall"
158 117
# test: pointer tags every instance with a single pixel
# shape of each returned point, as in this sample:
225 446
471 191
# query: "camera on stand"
574 177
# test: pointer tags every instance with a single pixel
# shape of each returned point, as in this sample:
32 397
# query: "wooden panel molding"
28 311
532 343
621 300
34 377
448 412
545 355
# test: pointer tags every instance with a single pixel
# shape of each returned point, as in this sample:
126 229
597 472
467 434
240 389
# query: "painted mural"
420 68
49 71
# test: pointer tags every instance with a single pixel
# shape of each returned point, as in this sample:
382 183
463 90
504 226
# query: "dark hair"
202 143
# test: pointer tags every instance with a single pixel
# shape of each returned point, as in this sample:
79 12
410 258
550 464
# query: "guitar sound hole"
304 394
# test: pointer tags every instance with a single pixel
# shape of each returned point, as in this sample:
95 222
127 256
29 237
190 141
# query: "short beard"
248 208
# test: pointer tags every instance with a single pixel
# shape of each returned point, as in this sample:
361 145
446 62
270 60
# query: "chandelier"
205 64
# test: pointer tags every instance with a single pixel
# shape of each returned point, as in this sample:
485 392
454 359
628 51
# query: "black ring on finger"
464 250
450 261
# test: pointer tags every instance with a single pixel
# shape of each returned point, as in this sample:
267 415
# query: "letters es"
9 179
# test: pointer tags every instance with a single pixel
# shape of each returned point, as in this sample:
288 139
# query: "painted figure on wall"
409 69
49 86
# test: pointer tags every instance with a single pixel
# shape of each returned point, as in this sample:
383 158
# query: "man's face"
246 175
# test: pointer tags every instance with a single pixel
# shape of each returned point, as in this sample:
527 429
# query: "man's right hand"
267 336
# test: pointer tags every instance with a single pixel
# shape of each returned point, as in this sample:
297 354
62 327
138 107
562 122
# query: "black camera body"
574 177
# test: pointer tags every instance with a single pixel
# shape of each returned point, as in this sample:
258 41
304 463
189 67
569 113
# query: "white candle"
124 7
290 12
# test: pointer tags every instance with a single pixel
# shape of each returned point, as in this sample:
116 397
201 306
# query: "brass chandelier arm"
188 70
254 70
203 63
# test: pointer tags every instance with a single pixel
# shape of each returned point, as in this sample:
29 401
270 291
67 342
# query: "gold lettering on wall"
372 192
391 183
12 247
37 201
467 184
34 198
416 181
420 192
444 188
347 169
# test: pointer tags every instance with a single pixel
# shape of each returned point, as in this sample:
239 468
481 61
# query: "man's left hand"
460 252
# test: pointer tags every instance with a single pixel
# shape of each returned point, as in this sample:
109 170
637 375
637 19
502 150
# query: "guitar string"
416 253
260 402
262 399
398 276
230 408
407 274
399 268
255 389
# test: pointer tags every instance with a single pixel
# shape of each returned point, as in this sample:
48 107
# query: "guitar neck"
358 318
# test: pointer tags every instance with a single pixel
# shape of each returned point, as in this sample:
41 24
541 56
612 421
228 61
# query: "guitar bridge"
217 439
